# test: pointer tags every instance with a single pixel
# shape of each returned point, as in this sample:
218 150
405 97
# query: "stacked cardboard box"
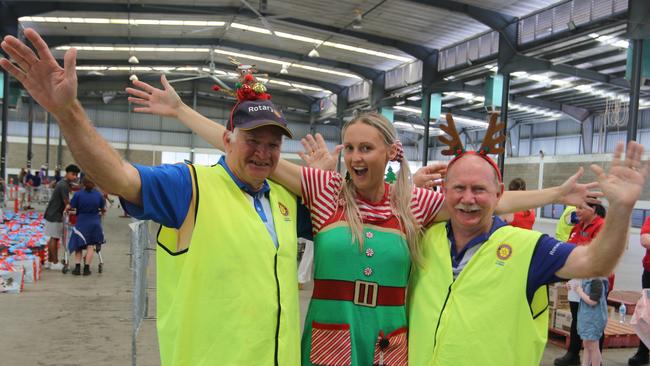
559 316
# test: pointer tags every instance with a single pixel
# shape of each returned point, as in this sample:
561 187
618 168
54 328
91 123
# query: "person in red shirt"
523 219
641 355
591 219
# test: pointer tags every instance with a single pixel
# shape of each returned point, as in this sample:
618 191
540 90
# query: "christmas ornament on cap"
489 145
248 87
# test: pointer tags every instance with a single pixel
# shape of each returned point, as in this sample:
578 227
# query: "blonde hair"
400 193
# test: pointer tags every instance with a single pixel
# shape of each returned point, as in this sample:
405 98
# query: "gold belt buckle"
368 290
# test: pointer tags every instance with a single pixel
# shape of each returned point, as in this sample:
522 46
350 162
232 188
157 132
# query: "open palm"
53 87
317 155
573 193
161 102
624 181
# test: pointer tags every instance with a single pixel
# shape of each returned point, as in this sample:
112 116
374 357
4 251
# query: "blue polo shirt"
549 256
167 192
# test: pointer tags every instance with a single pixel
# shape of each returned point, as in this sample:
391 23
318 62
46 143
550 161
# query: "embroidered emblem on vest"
283 209
504 251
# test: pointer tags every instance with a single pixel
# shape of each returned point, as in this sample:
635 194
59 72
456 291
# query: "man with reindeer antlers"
481 299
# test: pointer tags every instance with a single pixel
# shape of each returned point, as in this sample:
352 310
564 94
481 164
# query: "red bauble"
216 87
249 77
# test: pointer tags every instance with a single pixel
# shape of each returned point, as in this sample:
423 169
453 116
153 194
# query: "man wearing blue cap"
227 290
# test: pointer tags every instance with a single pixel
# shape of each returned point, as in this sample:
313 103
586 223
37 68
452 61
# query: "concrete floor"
66 320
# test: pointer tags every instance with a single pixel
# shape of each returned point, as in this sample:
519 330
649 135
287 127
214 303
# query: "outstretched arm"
166 102
569 193
622 187
55 89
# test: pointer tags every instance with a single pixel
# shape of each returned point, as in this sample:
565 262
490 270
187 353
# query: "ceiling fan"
211 74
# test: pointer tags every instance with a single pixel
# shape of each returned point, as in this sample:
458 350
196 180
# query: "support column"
429 75
127 151
377 91
195 96
341 106
635 88
5 124
587 132
59 151
312 118
30 132
48 122
638 34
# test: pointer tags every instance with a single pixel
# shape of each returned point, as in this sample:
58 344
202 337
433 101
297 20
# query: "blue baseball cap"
251 114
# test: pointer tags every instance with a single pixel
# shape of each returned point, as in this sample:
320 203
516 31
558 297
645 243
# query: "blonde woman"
366 232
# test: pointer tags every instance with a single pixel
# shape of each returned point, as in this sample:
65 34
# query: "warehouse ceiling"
313 48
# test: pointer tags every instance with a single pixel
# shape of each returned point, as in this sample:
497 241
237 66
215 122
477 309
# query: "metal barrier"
140 246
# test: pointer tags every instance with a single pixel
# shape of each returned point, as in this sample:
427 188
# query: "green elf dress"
357 313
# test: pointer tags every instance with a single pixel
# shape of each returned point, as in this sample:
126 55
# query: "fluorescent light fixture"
621 44
208 23
237 55
415 97
449 78
250 28
408 109
294 65
367 51
163 22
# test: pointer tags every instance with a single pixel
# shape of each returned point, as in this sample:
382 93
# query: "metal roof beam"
570 110
596 57
493 19
23 8
526 63
334 88
363 71
414 50
154 79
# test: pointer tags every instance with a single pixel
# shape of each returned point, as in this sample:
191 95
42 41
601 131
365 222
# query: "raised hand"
317 155
623 183
430 176
53 87
576 194
155 101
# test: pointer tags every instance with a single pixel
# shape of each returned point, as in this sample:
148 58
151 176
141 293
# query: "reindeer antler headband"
489 145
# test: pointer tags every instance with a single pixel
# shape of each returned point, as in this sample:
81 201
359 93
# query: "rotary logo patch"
283 209
504 251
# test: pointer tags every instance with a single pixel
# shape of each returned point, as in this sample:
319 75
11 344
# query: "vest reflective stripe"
563 230
482 318
232 298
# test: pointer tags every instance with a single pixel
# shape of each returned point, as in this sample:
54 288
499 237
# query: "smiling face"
472 193
253 155
366 155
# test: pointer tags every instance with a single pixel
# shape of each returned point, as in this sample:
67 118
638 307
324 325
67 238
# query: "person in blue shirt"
87 234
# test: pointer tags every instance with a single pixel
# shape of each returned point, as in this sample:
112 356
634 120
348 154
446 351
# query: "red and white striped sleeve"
425 205
320 192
